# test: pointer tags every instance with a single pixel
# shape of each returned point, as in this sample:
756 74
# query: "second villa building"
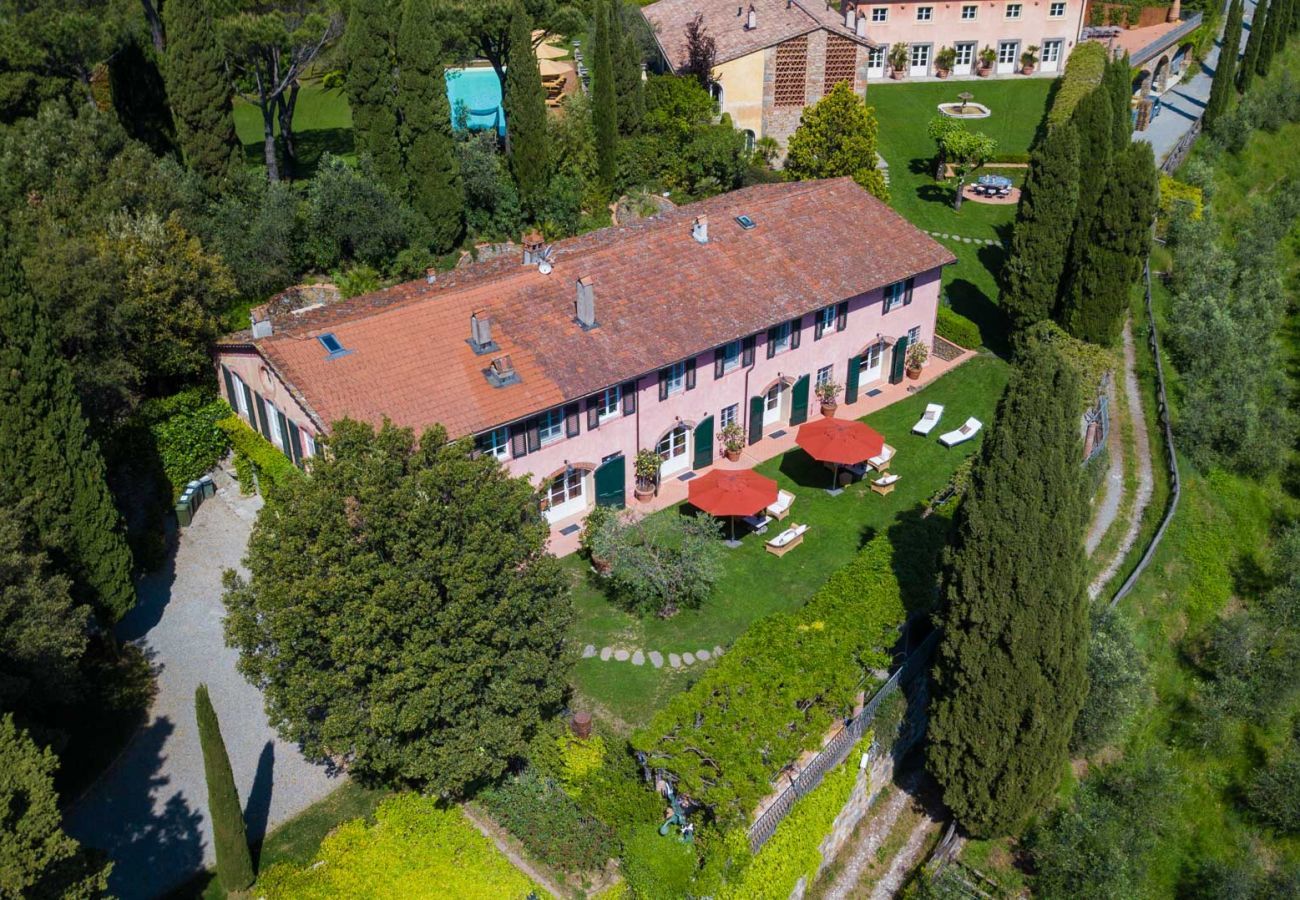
565 360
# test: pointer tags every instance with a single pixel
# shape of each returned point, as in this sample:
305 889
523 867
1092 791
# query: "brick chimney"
700 229
480 332
1175 11
533 248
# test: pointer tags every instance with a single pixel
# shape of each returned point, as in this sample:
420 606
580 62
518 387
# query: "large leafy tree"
370 44
964 150
1112 248
48 457
1032 274
604 103
1010 671
836 137
525 106
482 27
1225 73
200 93
230 836
37 860
432 170
402 614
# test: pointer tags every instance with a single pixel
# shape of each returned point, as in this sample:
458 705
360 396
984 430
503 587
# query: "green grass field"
904 111
756 583
322 122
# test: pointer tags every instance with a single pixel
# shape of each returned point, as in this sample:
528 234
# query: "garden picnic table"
994 181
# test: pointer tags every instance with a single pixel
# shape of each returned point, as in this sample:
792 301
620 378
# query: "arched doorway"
776 403
569 493
673 450
1161 75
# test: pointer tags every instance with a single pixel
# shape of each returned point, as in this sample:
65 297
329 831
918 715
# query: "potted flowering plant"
898 57
944 60
597 519
988 56
647 473
827 393
732 437
917 354
1029 59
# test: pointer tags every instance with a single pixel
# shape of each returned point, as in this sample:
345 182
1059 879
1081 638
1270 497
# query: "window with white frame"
550 426
824 375
876 58
273 421
894 295
879 14
241 399
781 337
730 357
914 334
925 13
1051 52
965 54
672 444
825 320
1007 53
308 444
607 403
565 488
496 443
1056 10
730 414
676 377
970 12
1013 10
920 56
874 352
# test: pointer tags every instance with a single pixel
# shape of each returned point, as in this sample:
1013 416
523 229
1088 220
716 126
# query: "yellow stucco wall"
742 91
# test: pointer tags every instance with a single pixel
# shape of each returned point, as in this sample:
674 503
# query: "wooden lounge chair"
929 419
881 463
786 541
964 433
781 508
885 485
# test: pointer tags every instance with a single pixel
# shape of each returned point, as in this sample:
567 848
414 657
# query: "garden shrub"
416 848
1274 794
953 326
1117 680
660 564
185 434
777 690
580 760
1175 194
270 464
1083 73
549 824
657 867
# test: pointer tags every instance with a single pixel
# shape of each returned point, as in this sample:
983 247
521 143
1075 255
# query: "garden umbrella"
844 442
732 492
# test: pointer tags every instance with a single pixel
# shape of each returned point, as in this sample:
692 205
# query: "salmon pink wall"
253 371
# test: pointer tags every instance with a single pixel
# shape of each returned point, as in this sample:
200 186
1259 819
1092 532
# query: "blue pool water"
479 91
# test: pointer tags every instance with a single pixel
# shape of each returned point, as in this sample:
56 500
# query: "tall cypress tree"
372 95
48 457
1048 203
525 104
1010 675
200 94
1114 245
1094 124
1225 73
229 835
1250 61
1268 43
432 169
1120 91
627 71
604 108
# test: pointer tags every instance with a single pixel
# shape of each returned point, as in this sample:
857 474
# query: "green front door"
851 382
799 401
704 443
755 419
611 481
898 362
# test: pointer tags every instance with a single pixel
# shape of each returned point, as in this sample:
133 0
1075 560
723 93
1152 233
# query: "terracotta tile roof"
660 297
725 21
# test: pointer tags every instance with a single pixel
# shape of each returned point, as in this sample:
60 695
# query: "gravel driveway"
149 811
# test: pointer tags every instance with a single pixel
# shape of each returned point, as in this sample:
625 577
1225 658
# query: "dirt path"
1142 454
863 854
906 858
505 844
1108 509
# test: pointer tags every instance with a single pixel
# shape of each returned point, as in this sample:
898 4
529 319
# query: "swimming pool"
478 89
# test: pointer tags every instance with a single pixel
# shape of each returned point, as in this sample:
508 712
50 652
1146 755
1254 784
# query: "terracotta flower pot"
914 374
942 73
896 74
828 409
1029 70
732 455
643 494
983 71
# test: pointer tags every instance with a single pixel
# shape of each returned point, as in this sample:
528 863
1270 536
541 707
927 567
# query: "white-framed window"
879 14
824 375
773 401
730 414
914 335
565 488
920 56
273 422
308 444
607 403
781 337
496 443
925 14
730 357
825 320
1051 52
875 57
1056 10
550 426
894 295
676 377
874 352
965 54
241 399
970 12
1013 10
673 444
1007 53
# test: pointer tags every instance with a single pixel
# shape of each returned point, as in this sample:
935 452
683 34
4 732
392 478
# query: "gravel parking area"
149 810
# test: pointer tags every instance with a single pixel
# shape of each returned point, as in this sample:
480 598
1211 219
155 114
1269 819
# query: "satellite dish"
544 267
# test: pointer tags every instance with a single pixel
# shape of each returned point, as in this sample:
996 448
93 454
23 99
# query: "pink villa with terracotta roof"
564 361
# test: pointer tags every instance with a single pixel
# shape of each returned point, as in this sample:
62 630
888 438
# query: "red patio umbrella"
844 442
732 492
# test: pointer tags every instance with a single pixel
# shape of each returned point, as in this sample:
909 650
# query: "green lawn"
904 111
322 122
757 583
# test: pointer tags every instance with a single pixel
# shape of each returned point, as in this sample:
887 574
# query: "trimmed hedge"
416 848
1083 73
549 824
778 689
270 464
185 434
953 326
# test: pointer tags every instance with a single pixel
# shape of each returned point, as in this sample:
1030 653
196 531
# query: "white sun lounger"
933 411
964 433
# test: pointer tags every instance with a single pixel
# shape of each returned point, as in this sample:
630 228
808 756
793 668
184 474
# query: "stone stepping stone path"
658 660
966 240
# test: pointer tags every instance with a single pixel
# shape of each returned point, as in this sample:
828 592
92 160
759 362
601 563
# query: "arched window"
749 140
672 450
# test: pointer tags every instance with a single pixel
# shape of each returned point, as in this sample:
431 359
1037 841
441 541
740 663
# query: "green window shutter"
747 350
898 363
851 381
755 419
799 401
690 374
283 422
250 405
795 327
719 358
842 316
261 417
295 443
703 443
230 387
771 343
